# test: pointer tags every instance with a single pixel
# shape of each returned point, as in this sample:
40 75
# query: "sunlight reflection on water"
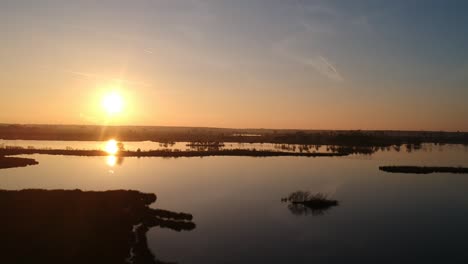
111 160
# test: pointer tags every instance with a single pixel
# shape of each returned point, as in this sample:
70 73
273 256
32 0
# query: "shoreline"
165 153
423 169
345 138
88 218
15 162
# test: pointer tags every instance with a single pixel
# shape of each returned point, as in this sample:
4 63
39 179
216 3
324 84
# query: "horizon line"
231 128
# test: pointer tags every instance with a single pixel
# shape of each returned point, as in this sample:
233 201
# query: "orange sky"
224 64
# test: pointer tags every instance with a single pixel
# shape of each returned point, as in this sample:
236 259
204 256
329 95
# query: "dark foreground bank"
423 169
60 226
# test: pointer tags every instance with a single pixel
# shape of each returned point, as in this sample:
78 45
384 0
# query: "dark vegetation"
165 153
359 140
205 146
72 226
13 162
423 169
303 203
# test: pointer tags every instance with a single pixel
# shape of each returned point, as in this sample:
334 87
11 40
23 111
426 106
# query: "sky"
240 64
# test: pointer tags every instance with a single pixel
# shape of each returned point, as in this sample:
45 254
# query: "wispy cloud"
317 22
93 76
316 18
315 8
318 62
362 23
324 67
98 76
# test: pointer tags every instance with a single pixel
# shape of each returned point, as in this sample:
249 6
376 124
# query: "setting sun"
112 103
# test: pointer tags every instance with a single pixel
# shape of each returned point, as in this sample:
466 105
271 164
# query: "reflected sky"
382 218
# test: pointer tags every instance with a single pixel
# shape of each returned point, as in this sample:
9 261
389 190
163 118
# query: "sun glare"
111 147
111 160
113 103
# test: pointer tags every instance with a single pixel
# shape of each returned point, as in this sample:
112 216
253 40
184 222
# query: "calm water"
148 145
235 201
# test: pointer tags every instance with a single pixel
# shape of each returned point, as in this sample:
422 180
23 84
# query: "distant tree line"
199 136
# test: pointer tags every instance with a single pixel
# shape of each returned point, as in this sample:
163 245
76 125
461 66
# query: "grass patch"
304 202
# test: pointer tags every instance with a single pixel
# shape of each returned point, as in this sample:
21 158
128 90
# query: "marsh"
236 208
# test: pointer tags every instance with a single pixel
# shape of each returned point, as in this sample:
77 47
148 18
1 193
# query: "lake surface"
151 145
236 204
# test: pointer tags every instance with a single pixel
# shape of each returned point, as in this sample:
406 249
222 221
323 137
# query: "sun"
112 103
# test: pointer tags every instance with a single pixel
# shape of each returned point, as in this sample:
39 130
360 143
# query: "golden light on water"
113 103
111 160
111 147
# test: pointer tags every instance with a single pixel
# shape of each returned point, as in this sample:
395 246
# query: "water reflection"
81 227
382 218
111 160
111 147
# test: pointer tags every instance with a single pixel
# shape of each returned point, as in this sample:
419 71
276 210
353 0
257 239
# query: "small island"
423 169
13 162
303 203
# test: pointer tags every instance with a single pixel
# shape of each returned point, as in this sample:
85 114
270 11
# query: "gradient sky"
243 63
